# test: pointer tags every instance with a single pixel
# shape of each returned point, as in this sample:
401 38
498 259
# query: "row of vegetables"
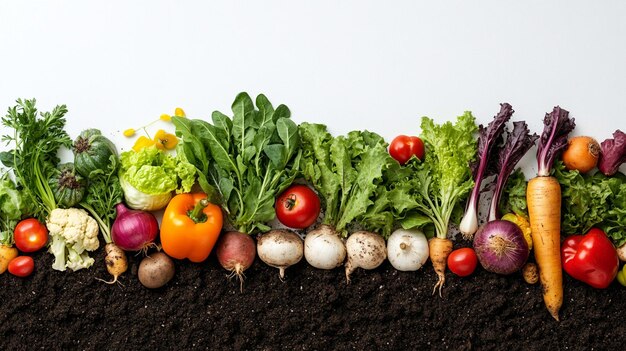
221 182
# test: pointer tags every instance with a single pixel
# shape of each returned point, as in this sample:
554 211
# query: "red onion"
133 230
501 247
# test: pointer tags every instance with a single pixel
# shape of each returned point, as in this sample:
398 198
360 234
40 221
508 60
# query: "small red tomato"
403 147
462 262
298 206
30 235
22 266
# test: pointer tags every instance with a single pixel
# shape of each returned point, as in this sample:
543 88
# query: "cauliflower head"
73 233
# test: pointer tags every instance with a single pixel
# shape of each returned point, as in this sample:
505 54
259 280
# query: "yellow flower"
142 142
165 117
178 112
165 140
129 132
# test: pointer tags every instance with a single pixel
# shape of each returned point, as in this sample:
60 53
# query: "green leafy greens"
37 139
347 171
13 207
592 200
514 195
246 161
103 193
432 191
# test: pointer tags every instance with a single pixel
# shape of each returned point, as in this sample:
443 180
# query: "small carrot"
439 249
543 196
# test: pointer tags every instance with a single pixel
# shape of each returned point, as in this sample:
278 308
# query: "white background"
376 65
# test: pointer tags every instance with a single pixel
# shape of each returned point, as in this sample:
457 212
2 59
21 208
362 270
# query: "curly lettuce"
433 191
348 172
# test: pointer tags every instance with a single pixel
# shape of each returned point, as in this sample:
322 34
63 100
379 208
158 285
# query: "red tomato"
462 262
22 266
298 206
403 147
30 235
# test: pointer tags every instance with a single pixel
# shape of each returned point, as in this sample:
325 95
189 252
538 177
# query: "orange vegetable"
582 154
190 227
544 208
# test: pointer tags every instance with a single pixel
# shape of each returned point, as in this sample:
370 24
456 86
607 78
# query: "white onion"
407 250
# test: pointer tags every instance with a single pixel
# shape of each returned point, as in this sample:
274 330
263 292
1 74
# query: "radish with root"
323 248
280 249
407 250
235 252
365 250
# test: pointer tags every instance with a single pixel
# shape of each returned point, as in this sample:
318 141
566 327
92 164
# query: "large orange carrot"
439 249
544 208
543 196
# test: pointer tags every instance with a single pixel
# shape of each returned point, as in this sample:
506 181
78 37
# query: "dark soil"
312 309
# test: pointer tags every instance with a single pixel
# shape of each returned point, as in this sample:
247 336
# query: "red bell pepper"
590 258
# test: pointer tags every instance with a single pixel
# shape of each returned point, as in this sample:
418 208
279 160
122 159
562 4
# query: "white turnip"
280 249
366 250
407 250
235 252
323 248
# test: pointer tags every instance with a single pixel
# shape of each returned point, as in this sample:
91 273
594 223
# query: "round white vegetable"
366 250
324 249
407 250
280 249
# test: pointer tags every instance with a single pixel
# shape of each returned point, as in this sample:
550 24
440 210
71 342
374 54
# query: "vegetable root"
115 261
280 249
544 208
366 250
7 253
323 248
439 250
236 252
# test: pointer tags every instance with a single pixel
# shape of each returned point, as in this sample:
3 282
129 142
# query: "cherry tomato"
22 266
298 206
462 262
403 147
30 235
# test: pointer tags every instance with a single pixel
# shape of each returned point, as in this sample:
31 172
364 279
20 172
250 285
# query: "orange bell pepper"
190 227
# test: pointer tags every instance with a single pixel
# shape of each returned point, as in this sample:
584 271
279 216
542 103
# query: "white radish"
280 249
407 250
323 248
365 250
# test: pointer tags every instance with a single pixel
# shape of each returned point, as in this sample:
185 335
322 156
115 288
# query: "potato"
156 270
530 273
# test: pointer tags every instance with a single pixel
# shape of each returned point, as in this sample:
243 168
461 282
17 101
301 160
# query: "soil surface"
312 309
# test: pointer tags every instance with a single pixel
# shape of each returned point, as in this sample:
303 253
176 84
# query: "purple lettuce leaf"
557 126
613 153
517 144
